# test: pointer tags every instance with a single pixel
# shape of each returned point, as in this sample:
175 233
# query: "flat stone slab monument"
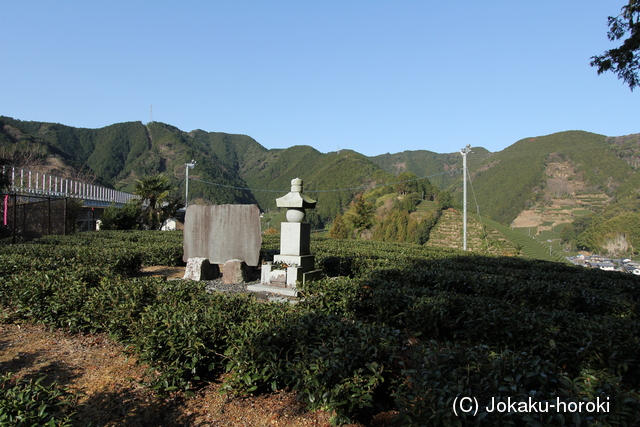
221 233
295 263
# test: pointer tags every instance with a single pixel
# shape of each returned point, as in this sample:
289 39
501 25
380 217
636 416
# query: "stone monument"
295 264
223 232
215 235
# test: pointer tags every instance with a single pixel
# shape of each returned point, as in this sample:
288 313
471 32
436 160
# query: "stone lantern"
295 264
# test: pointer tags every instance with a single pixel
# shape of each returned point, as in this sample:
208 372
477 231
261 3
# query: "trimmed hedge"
32 403
390 327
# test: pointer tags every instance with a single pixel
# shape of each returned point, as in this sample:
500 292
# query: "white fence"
24 181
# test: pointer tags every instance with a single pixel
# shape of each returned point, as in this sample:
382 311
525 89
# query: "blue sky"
372 76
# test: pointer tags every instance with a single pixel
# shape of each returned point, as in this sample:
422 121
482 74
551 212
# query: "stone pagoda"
295 264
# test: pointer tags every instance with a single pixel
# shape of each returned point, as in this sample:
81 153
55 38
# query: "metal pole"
15 217
186 187
64 215
49 215
464 153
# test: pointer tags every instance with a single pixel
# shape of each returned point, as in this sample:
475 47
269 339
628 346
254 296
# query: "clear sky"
373 76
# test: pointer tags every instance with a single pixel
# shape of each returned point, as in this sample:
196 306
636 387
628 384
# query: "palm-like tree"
156 205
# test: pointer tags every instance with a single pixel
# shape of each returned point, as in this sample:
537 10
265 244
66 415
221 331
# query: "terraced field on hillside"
481 239
545 223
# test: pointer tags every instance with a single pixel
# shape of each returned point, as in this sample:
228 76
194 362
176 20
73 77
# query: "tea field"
435 336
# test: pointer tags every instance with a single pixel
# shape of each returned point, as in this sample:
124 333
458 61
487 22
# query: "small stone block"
235 271
278 278
311 276
265 273
307 262
200 269
294 275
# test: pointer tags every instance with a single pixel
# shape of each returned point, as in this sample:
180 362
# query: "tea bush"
31 403
437 373
390 326
333 364
184 333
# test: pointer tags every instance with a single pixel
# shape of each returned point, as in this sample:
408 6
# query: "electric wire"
483 227
325 191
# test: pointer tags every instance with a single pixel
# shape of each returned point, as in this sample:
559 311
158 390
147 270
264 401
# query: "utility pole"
464 153
186 191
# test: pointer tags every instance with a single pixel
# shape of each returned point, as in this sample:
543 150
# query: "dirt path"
113 396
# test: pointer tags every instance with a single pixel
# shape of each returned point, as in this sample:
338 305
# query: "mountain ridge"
560 171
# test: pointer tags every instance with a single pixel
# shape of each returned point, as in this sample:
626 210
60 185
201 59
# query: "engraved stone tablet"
223 232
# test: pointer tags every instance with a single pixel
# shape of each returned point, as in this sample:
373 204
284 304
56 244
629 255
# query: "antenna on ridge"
151 114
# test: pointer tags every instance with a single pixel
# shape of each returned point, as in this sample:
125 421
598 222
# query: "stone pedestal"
235 271
199 268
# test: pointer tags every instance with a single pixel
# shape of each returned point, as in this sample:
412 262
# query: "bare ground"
110 384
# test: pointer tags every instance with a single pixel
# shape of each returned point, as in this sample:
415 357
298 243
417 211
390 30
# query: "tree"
154 201
407 183
444 199
360 214
338 229
125 218
624 60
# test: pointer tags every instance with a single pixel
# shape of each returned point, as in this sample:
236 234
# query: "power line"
325 191
483 228
236 188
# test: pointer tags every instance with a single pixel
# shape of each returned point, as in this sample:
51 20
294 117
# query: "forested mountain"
544 182
227 164
120 153
442 169
548 182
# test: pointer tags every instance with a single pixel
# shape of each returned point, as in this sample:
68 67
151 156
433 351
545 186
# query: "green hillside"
121 153
542 183
428 163
322 174
514 179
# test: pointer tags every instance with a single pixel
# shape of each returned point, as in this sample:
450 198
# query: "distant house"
577 260
172 224
605 265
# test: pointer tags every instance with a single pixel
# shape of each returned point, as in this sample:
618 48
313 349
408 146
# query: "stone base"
291 292
279 280
235 271
311 276
200 269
